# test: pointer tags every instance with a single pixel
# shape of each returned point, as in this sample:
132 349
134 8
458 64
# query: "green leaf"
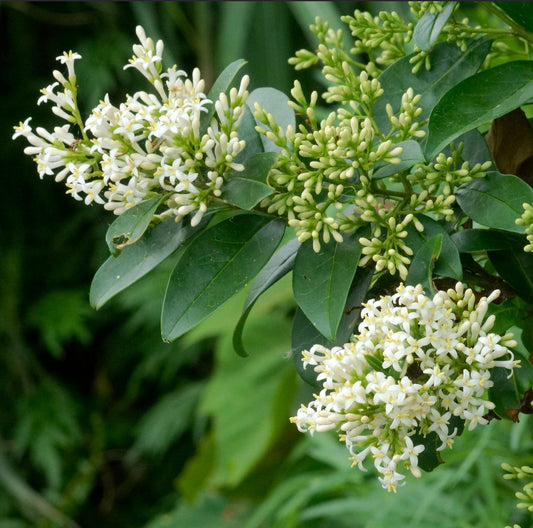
474 240
247 188
167 420
207 510
421 268
213 268
430 458
321 281
275 103
135 261
478 100
503 393
47 429
249 134
495 201
428 28
475 148
131 225
304 334
249 399
520 12
449 66
60 316
411 154
223 83
279 265
449 261
358 293
514 265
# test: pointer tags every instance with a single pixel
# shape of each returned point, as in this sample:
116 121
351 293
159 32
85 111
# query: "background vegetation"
105 425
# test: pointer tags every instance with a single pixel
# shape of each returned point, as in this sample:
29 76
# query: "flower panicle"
150 144
415 367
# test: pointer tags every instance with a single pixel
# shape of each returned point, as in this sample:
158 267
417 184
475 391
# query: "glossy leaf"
478 100
430 458
352 309
131 225
428 28
449 66
475 240
514 265
303 336
321 281
495 201
279 265
248 133
223 83
116 274
274 102
520 12
247 188
449 261
421 268
215 267
475 148
411 154
503 393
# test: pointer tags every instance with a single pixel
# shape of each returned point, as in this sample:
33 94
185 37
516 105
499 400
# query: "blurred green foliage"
105 424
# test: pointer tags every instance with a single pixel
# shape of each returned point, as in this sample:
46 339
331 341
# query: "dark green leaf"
275 103
428 28
246 189
131 225
475 148
474 240
430 458
496 200
520 12
478 100
411 154
449 66
248 133
514 265
135 261
321 281
421 268
352 310
212 269
449 261
279 265
503 393
223 83
303 336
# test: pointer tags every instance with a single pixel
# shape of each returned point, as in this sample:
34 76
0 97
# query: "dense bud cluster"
527 220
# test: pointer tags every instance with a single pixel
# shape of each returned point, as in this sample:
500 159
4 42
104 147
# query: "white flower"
68 59
150 144
413 365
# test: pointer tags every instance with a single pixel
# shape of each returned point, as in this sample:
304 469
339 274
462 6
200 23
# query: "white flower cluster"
416 364
151 144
